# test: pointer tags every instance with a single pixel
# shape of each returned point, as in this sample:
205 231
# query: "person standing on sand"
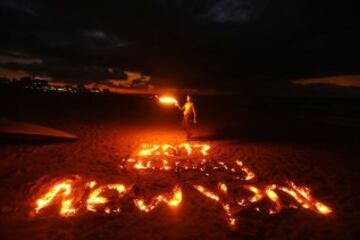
188 111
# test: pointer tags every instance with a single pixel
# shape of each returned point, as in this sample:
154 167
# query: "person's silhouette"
188 111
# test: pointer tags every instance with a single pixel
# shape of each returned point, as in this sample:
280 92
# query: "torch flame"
322 208
168 100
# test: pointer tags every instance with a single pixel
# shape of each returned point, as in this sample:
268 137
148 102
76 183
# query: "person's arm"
194 112
179 107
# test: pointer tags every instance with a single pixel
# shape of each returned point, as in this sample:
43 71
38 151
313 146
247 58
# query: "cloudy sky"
256 46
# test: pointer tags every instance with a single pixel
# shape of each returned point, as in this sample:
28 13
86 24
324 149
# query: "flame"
168 100
305 193
204 148
166 157
211 195
249 174
231 219
63 188
322 208
303 197
177 197
272 195
173 199
95 199
258 195
207 193
182 157
91 184
169 150
187 147
222 187
140 165
300 194
148 150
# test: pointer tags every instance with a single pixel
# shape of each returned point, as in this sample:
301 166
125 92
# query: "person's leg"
186 125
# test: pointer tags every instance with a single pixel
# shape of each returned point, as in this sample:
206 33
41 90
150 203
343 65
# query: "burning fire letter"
149 150
64 189
187 147
303 197
173 199
249 174
95 199
258 195
168 150
274 198
204 148
222 187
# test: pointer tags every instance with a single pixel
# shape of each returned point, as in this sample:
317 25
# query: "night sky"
256 46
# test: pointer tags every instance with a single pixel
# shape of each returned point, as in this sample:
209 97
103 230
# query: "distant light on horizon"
339 81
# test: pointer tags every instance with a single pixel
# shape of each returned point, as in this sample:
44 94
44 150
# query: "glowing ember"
231 219
187 147
207 193
148 150
167 157
173 199
95 199
249 174
223 188
323 209
204 148
168 150
92 198
258 195
139 165
275 198
303 197
91 184
64 189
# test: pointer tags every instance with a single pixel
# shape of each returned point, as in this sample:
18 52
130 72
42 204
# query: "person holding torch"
188 110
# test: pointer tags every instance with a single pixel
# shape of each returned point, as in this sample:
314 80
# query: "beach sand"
275 146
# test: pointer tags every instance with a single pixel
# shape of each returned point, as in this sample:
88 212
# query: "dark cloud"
182 43
229 11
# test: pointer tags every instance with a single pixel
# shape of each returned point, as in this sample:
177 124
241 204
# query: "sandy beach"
276 150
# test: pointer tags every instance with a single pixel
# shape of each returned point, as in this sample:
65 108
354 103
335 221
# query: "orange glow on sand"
76 196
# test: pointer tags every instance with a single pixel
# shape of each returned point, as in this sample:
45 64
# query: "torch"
167 100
